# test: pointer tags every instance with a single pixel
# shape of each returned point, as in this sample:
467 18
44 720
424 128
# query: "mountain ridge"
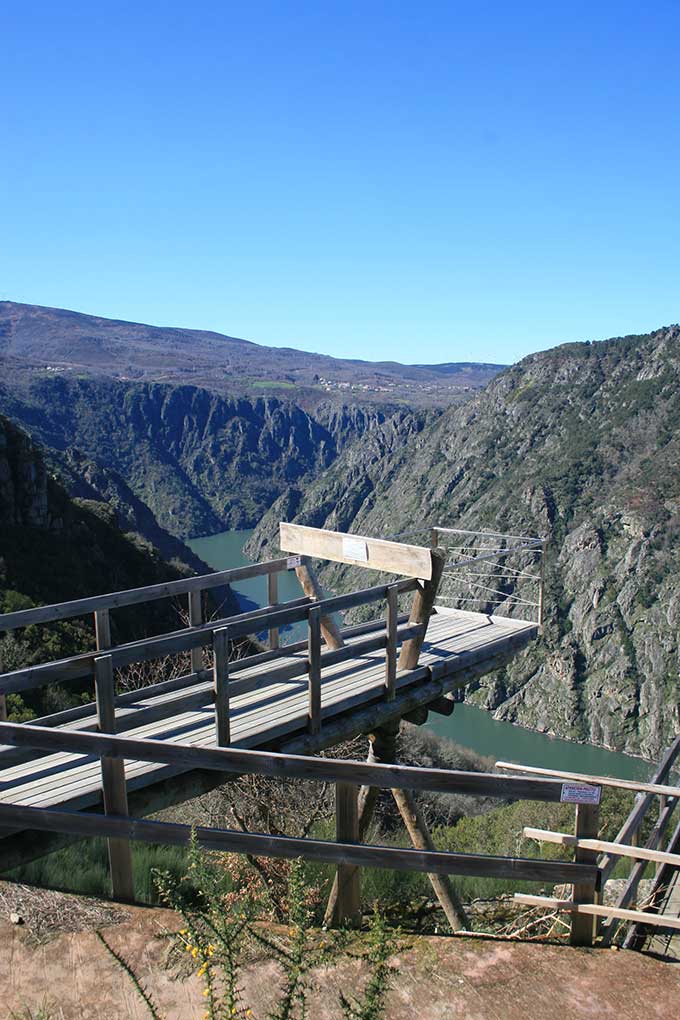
41 338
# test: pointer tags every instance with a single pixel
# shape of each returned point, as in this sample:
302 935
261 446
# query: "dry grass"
46 914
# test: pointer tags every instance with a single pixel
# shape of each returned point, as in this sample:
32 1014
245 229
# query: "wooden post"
391 647
102 629
541 584
221 686
3 708
423 602
434 537
114 787
195 620
366 801
348 905
311 587
273 600
314 668
583 926
383 750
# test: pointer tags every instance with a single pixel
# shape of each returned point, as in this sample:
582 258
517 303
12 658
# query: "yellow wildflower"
206 991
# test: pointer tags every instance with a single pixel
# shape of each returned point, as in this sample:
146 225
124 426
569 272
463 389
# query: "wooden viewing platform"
270 699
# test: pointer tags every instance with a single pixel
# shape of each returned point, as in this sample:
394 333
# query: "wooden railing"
112 750
606 853
223 682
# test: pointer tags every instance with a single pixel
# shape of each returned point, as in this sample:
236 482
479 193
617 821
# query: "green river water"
472 727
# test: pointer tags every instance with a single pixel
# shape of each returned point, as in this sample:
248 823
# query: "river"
469 726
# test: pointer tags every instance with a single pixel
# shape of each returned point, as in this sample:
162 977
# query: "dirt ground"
72 977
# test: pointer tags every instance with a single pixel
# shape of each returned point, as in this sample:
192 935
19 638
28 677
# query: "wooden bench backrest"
357 550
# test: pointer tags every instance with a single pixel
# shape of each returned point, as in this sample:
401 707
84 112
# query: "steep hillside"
53 549
54 340
582 444
201 463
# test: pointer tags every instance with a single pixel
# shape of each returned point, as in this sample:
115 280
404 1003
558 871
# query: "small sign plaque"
580 793
293 562
355 549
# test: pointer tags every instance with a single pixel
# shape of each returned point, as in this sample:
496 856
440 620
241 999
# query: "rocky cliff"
581 444
202 463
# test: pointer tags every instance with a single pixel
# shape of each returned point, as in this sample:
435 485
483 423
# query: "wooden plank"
114 788
221 686
271 763
358 550
586 825
260 845
599 910
639 853
272 600
314 653
665 875
262 731
391 642
134 596
581 777
348 905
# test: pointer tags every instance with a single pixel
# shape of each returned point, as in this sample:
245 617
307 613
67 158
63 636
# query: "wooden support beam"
583 926
273 600
418 717
313 590
629 892
221 686
423 604
114 787
422 840
195 620
348 904
314 667
593 910
443 706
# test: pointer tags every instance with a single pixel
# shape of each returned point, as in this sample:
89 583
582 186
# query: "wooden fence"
606 919
113 750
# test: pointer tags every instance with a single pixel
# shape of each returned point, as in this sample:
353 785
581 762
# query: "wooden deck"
275 714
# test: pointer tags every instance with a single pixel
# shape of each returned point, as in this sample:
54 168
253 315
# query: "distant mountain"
580 444
56 341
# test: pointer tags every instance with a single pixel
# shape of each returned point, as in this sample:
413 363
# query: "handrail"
279 764
78 666
134 596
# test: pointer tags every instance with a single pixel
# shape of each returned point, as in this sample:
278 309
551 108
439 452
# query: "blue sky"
425 182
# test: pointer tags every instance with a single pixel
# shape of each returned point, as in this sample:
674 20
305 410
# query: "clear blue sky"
423 181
